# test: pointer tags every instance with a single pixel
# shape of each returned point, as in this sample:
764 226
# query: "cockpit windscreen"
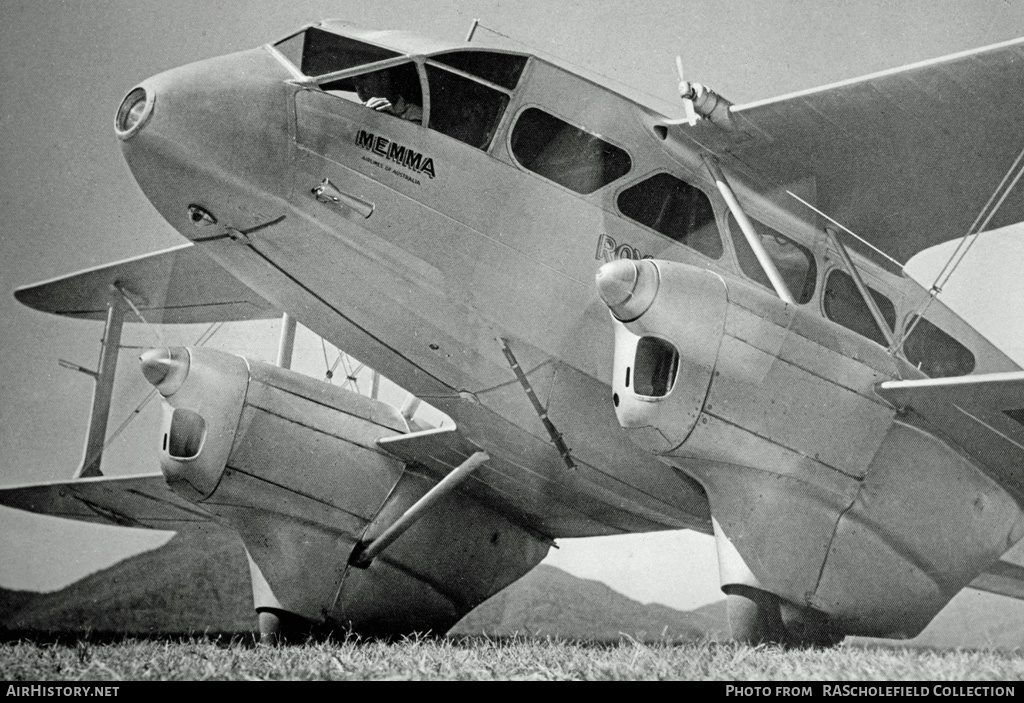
316 52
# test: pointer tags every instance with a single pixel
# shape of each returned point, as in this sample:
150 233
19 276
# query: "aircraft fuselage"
444 243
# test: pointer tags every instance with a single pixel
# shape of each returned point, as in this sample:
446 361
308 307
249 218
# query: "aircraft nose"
627 287
213 134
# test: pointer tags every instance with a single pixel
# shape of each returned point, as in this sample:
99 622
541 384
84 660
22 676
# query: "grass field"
475 658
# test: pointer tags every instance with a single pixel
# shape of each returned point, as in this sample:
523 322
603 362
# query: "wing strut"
968 240
869 300
748 231
117 308
361 558
286 344
556 436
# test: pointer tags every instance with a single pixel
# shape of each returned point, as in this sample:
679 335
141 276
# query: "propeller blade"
691 114
686 90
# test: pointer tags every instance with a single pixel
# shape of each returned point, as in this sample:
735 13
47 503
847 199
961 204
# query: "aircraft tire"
280 626
754 616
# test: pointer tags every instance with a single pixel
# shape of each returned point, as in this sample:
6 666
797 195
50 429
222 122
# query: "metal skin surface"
828 498
428 285
292 464
427 275
703 295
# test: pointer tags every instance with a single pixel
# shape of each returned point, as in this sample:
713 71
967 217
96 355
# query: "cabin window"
655 367
463 108
399 85
316 52
567 155
501 69
936 353
188 429
844 304
794 261
676 209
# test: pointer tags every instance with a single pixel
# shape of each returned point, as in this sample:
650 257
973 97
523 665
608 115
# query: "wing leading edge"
177 285
982 414
129 501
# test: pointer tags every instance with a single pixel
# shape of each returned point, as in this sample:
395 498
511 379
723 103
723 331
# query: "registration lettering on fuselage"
396 153
609 250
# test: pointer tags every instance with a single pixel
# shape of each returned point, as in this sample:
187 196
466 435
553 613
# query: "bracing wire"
204 338
351 374
846 229
993 204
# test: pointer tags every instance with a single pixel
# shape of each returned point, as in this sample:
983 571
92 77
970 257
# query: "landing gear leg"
754 616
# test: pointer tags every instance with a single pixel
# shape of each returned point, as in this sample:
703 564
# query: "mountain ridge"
199 582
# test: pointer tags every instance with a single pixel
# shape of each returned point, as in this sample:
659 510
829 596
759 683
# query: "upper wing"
983 415
129 501
906 158
177 285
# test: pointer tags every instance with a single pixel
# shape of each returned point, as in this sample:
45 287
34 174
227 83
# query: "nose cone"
214 134
165 368
628 287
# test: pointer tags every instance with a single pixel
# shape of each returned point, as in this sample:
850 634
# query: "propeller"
688 91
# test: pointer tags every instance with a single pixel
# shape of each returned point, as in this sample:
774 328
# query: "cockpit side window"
844 304
676 209
399 86
936 353
566 154
316 52
463 108
794 261
500 69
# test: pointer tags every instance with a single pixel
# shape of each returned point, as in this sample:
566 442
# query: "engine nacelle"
820 494
293 465
663 365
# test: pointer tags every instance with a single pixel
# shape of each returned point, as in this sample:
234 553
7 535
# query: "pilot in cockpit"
377 91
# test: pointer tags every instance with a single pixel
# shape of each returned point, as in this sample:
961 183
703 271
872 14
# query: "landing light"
134 111
200 216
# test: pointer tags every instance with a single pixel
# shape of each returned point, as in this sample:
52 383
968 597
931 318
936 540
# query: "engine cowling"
293 465
820 494
663 360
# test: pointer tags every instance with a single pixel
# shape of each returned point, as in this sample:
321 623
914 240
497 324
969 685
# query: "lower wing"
130 501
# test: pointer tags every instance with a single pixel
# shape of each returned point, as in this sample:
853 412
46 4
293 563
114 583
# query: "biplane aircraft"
636 323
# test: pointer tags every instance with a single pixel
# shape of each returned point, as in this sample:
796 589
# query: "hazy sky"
67 200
